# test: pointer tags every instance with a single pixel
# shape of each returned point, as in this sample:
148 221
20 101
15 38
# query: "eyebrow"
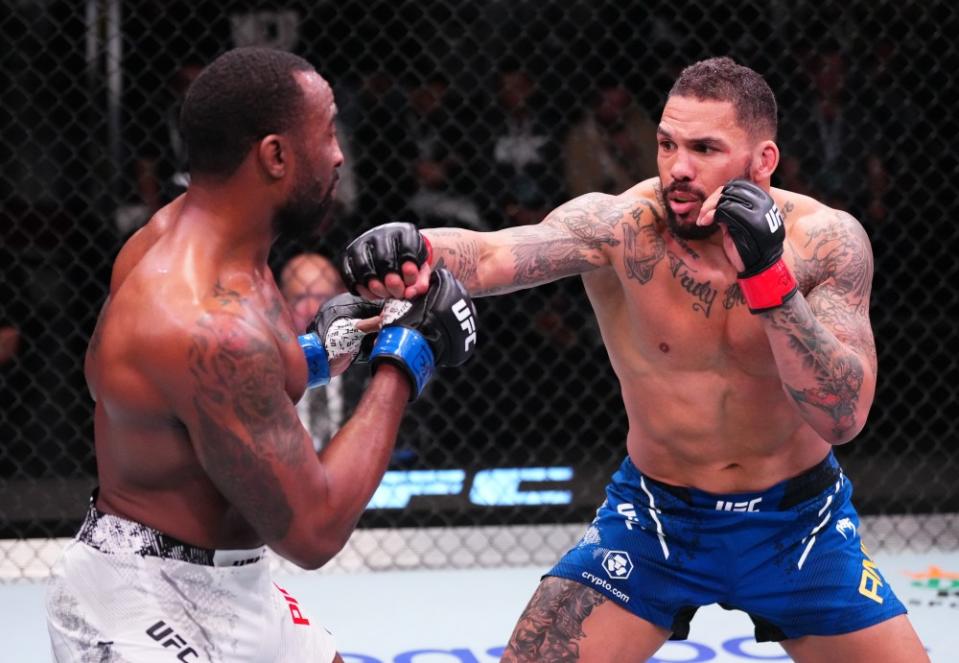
703 140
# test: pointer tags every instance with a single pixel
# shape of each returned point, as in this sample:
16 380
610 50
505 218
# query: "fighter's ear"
765 160
272 153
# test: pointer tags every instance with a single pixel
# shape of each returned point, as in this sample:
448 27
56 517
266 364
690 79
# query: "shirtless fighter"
195 368
736 317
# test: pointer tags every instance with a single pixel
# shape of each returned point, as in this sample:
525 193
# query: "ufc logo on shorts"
164 635
774 219
465 316
722 505
627 511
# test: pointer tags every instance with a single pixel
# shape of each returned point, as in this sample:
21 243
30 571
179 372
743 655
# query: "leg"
891 641
567 621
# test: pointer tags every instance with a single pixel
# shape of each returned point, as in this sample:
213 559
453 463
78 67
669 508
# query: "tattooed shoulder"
835 249
246 424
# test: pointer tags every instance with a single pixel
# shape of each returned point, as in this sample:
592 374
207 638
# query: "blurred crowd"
423 143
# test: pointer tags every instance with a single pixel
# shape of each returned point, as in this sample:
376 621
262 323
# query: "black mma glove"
756 228
383 250
437 329
333 334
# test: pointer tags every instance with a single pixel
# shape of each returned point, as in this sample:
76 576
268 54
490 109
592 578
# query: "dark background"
86 102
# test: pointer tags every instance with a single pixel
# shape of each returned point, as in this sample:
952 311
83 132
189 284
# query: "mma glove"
756 228
436 329
333 334
383 250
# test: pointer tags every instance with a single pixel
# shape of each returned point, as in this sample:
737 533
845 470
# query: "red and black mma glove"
436 329
756 228
383 250
333 334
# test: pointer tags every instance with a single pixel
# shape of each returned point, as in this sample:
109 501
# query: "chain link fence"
481 114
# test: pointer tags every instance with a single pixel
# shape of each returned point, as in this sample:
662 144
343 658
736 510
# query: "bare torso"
148 469
702 391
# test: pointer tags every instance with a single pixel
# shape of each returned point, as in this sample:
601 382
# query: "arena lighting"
502 486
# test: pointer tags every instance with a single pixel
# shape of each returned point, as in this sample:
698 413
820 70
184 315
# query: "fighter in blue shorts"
736 317
789 556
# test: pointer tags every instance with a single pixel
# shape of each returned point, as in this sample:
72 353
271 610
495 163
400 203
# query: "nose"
682 167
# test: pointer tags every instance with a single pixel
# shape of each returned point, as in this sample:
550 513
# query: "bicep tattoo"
246 422
571 240
839 265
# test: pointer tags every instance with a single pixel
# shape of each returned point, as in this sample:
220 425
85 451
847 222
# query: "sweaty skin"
195 367
717 398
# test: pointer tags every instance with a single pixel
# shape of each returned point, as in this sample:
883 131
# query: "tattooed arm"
573 239
823 342
231 397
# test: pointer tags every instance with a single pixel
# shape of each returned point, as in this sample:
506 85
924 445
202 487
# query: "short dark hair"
241 96
721 79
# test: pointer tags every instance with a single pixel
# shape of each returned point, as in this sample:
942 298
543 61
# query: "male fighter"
195 368
738 325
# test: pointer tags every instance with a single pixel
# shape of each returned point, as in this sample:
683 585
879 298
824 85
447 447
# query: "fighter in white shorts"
131 593
196 366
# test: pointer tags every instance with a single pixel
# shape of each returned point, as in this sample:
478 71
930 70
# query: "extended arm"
573 239
823 342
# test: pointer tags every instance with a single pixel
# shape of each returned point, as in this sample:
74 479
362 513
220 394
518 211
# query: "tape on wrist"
408 348
770 288
317 362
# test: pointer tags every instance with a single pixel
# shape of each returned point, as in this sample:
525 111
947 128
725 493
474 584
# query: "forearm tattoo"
458 254
829 328
837 372
239 379
551 627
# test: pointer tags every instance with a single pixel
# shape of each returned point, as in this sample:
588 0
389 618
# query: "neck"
234 225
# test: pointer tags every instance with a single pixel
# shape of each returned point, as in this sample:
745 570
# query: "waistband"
114 535
826 475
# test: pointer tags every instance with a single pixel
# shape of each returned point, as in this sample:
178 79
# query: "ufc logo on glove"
463 313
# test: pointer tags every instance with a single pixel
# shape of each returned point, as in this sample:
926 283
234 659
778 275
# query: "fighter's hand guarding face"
753 237
390 260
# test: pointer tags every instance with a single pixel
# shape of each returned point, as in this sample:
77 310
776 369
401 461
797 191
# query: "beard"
689 229
307 208
681 229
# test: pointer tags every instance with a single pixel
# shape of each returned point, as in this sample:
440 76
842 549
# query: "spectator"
383 148
613 146
9 342
522 147
830 154
443 194
161 160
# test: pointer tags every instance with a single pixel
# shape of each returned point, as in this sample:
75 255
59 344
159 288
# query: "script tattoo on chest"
702 291
644 248
733 297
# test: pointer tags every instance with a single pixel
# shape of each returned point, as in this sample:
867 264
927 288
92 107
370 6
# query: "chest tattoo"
702 291
733 297
642 251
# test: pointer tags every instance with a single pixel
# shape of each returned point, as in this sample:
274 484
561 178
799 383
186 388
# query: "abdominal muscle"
721 434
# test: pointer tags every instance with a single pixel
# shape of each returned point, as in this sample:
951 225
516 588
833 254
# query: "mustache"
685 187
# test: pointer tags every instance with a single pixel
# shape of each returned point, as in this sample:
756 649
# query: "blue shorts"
790 556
